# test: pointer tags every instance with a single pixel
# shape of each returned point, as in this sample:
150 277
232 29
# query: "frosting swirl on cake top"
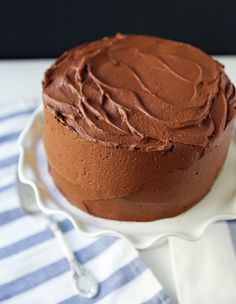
140 92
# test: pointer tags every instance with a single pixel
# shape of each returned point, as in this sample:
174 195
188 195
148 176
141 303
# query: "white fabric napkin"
32 266
205 270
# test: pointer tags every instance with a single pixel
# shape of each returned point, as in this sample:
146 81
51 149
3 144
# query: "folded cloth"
32 266
205 270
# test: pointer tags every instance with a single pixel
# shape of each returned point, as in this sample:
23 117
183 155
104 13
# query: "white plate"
219 204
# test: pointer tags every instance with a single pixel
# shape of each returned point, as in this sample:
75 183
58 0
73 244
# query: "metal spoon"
85 282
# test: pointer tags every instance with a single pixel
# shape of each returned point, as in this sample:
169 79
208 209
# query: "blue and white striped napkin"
32 266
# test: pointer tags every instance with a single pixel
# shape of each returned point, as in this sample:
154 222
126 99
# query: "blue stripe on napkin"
32 240
6 187
33 279
10 215
232 228
65 225
160 298
93 250
13 214
25 244
17 113
9 161
9 137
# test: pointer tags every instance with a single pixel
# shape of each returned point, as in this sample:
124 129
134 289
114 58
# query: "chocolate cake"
137 128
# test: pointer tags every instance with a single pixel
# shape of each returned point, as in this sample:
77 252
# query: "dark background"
39 29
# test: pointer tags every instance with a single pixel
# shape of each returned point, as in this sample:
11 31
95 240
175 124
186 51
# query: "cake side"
132 187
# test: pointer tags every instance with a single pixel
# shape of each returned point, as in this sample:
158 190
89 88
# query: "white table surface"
23 78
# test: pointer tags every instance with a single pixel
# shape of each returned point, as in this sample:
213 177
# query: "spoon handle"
85 282
67 251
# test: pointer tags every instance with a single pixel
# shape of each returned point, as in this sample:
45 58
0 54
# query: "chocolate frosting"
140 92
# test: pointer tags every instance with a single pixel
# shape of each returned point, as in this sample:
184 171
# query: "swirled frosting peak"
140 92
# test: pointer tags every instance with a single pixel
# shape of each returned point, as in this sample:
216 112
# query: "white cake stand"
219 204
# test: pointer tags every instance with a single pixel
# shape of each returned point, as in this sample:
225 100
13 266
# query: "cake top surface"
140 92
